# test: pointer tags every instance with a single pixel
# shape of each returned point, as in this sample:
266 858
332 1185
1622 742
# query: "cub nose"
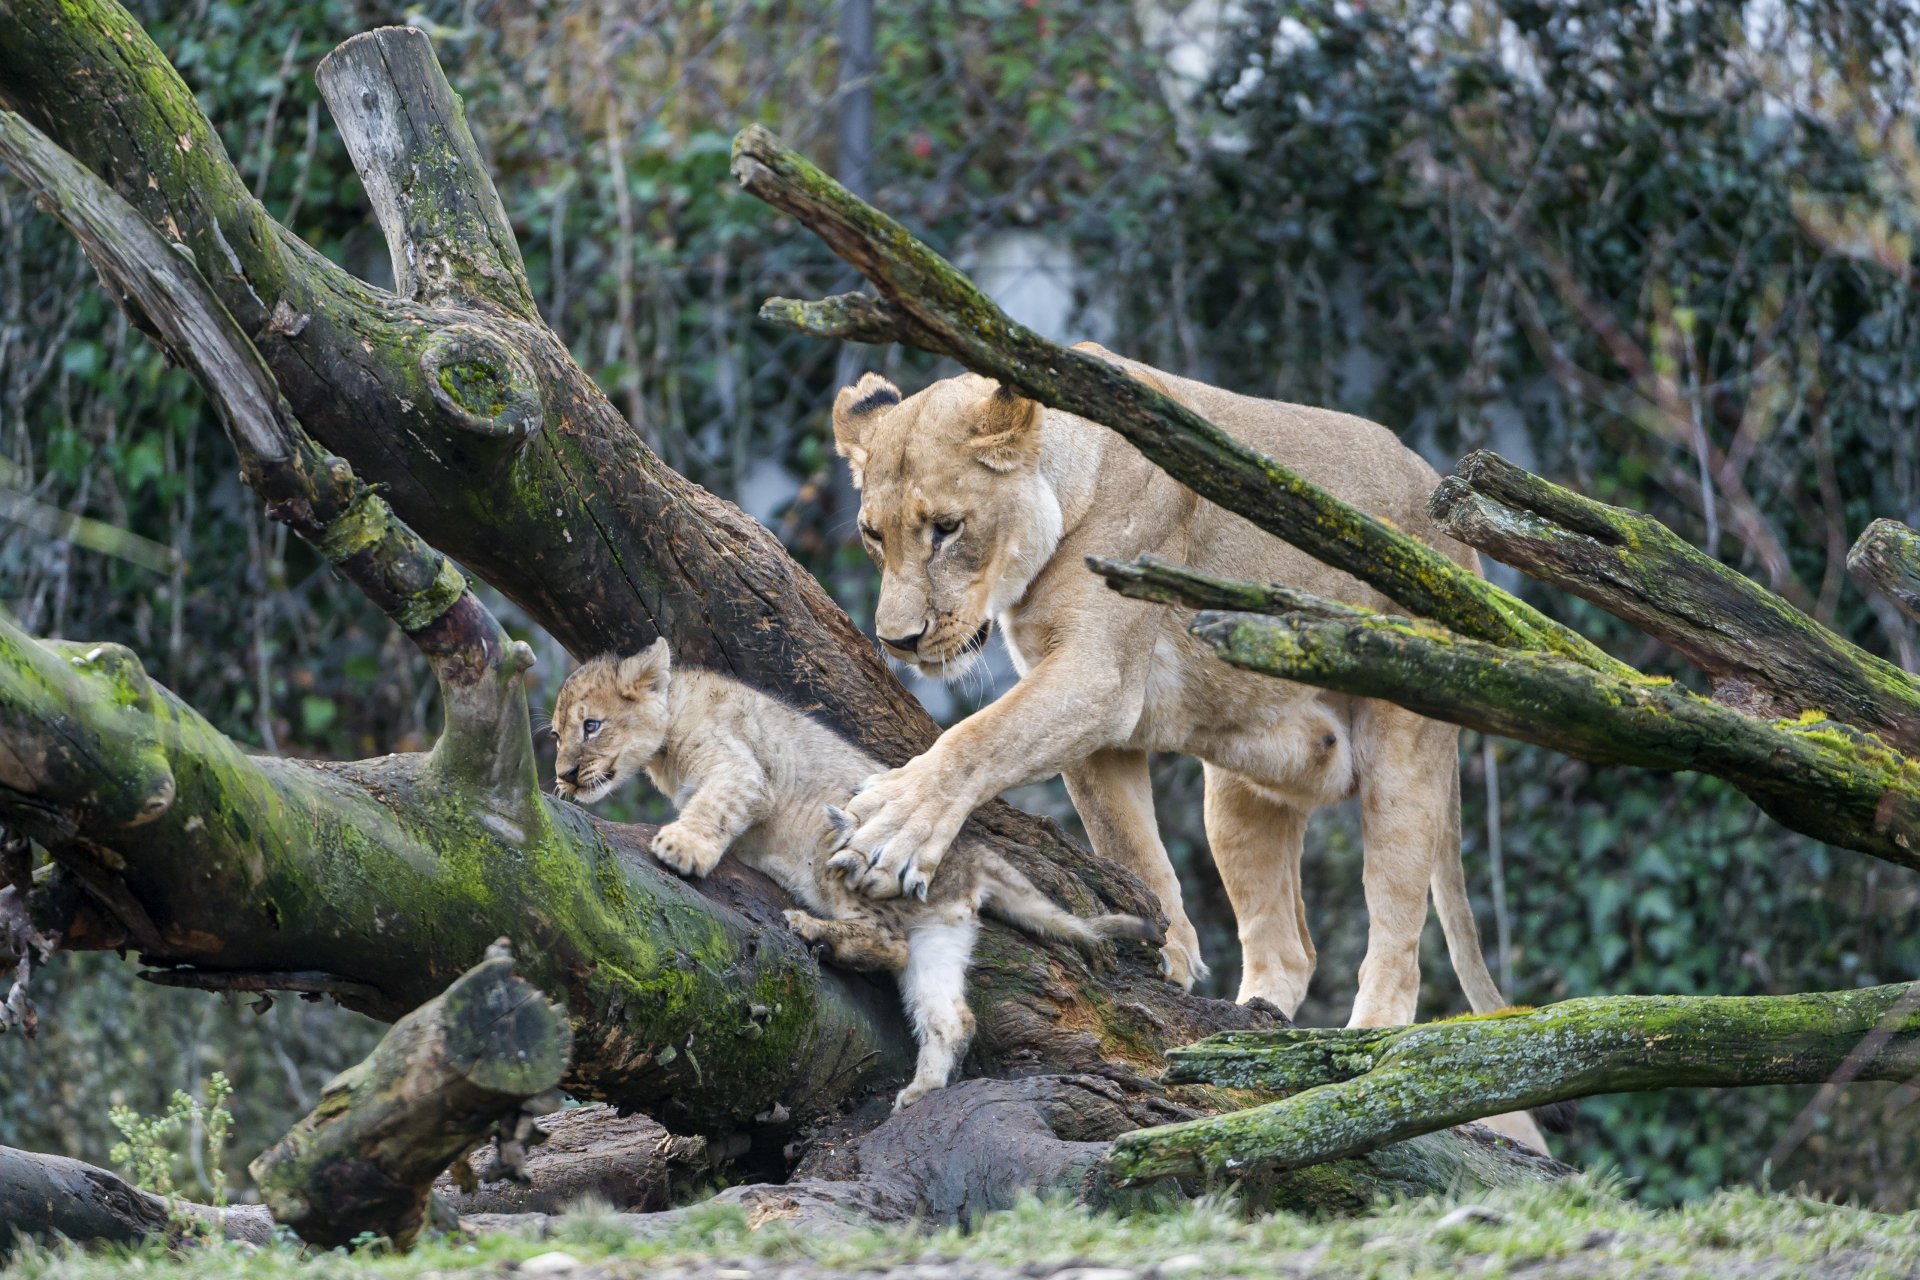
571 776
908 643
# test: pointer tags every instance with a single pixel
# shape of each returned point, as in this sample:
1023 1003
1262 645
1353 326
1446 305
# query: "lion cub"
750 774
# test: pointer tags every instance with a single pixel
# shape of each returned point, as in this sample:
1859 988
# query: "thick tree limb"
930 305
408 136
51 1196
1886 561
1764 656
376 875
1818 777
1367 1087
462 1065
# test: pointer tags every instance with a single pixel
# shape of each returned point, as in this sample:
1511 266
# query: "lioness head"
610 719
952 508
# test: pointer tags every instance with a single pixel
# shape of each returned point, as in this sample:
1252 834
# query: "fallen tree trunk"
52 1197
465 1065
1365 1087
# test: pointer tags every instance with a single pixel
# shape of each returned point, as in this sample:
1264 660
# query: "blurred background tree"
1660 252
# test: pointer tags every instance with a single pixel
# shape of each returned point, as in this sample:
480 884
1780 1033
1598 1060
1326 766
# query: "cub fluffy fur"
749 774
980 508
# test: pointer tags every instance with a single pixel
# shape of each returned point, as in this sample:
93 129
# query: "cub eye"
944 529
590 728
869 532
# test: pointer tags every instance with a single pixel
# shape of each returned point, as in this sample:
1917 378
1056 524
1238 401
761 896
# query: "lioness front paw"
901 825
1180 958
686 851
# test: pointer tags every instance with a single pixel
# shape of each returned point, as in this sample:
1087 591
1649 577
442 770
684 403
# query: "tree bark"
1764 656
1365 1087
462 1066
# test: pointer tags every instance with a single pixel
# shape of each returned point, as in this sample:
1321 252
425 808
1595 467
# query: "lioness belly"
1291 739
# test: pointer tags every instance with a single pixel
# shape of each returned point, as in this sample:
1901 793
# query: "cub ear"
644 674
1006 436
855 412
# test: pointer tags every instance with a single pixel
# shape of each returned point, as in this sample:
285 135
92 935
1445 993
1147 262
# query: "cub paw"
685 851
807 926
911 1094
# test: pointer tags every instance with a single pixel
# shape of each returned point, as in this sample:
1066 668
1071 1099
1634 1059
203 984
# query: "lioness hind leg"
1256 841
934 987
853 944
1406 791
1113 794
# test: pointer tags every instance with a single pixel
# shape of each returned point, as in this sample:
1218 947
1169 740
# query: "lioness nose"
571 776
909 643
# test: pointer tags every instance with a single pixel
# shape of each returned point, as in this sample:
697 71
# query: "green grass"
1584 1227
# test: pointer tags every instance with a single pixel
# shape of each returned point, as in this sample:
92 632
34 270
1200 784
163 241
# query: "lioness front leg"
730 795
1067 707
1112 792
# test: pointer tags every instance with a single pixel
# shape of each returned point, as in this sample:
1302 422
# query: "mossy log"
928 304
1361 1088
1886 561
1764 656
464 1065
1817 776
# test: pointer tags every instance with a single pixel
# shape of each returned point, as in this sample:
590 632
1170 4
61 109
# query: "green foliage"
188 1130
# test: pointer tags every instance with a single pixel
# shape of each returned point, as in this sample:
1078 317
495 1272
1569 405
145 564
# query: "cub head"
610 719
953 509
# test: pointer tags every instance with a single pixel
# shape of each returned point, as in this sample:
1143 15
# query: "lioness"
750 774
980 508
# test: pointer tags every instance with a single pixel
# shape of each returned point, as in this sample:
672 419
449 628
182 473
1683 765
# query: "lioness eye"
944 529
590 728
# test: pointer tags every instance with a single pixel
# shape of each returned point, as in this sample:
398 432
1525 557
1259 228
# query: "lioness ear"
644 674
1007 434
1093 348
855 411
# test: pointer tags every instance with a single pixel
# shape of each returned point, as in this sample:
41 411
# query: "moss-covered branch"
1363 1088
439 1082
1166 581
929 304
1886 561
1817 776
486 748
1764 655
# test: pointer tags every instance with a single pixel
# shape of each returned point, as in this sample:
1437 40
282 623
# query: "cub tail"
1011 897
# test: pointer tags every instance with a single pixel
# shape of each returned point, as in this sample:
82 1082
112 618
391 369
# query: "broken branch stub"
407 133
444 1077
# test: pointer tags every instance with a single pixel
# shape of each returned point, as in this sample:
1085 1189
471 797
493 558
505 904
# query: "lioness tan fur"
750 774
980 508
